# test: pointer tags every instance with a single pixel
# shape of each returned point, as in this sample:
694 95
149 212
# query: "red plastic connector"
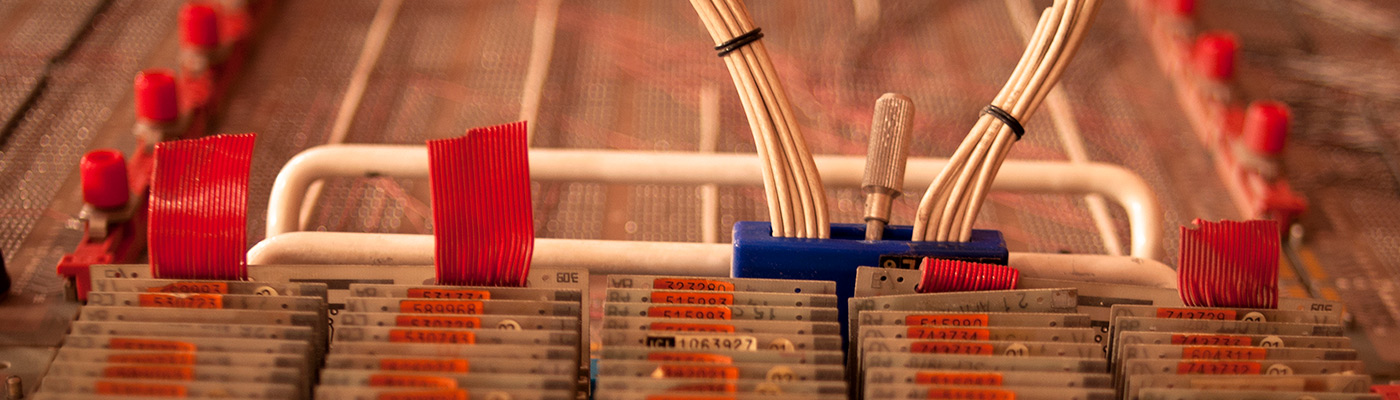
1266 127
1214 55
156 96
199 26
104 179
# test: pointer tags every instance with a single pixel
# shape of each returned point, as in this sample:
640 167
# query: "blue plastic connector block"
757 254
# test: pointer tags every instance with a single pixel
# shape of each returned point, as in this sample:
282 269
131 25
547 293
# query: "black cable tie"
1007 119
738 42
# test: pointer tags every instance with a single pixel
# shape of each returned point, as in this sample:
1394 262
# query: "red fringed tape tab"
483 227
1229 264
940 275
199 208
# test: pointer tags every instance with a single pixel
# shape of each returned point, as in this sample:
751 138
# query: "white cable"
950 206
796 197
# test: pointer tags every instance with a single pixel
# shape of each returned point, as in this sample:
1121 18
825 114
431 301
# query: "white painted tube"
682 168
624 257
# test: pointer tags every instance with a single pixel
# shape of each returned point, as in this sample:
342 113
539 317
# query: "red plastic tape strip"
483 227
199 208
1229 264
940 275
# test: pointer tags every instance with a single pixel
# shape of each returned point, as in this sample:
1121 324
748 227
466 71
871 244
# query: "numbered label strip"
765 371
723 357
919 318
713 284
883 376
904 391
731 326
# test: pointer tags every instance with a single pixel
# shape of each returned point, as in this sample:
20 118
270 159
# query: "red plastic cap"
104 179
1180 8
199 26
1266 127
1214 55
156 97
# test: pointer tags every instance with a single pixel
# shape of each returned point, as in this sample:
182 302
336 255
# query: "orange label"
440 307
706 387
687 397
427 336
1224 353
918 332
162 372
689 312
708 372
692 284
413 381
690 357
1212 340
152 358
1218 368
958 378
181 300
459 294
141 389
672 326
192 287
1195 313
710 299
437 322
454 394
950 348
413 364
980 394
947 319
148 344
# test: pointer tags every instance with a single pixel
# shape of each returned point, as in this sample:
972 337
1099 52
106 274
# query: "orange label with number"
181 300
437 322
689 312
679 327
140 389
1194 313
950 348
918 332
192 287
692 371
440 307
979 394
454 394
1218 368
458 294
947 319
1212 340
958 378
711 299
149 344
426 336
692 284
152 358
690 357
1224 353
415 364
413 381
161 372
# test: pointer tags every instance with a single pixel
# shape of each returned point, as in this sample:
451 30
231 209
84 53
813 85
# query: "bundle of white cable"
949 207
796 198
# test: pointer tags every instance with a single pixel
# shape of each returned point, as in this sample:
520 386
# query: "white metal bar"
641 167
624 257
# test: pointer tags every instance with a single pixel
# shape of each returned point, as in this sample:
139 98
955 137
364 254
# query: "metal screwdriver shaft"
884 160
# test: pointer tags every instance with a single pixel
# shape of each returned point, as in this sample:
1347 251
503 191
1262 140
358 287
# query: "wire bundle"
949 207
199 208
1229 264
942 275
483 226
796 199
